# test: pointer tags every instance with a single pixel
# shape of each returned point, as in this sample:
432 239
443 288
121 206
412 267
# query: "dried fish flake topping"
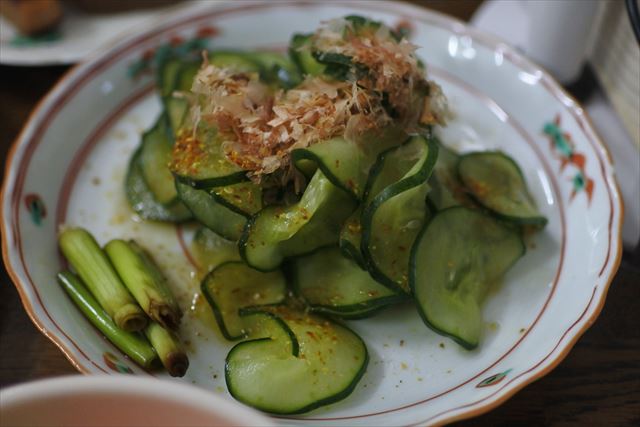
260 126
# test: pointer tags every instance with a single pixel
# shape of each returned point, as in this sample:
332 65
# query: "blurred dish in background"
56 32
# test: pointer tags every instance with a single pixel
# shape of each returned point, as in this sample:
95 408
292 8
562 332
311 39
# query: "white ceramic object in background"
118 400
556 34
69 162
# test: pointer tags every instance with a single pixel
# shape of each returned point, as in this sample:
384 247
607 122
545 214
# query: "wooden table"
597 384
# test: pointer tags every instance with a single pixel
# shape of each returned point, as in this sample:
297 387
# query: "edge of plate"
7 179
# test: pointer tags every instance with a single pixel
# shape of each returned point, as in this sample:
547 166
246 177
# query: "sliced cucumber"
351 238
446 188
176 109
236 60
185 75
264 325
263 373
212 211
167 73
496 182
278 232
396 210
154 159
211 250
332 284
199 159
224 210
157 143
201 162
176 106
301 56
142 200
360 24
273 67
277 68
347 163
457 256
244 197
233 286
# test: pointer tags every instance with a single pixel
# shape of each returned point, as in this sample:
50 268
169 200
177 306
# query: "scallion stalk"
95 270
132 344
168 348
144 280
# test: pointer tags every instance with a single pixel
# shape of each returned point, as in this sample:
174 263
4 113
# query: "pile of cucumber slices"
400 218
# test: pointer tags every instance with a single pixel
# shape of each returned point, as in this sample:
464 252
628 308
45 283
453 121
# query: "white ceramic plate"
79 35
69 162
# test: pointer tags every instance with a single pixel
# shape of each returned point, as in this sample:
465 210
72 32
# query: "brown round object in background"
32 17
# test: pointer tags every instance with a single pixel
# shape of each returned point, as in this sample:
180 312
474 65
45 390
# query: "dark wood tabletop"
597 384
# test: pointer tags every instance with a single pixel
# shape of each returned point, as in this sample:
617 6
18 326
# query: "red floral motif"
405 28
112 362
563 148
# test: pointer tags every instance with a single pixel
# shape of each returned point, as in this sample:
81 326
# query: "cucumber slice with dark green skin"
239 61
142 200
154 159
211 250
395 209
155 152
279 232
176 109
233 286
185 75
264 325
360 24
244 198
224 210
212 211
174 76
496 182
446 188
277 69
351 238
273 67
166 76
201 162
175 106
331 361
347 163
301 56
344 67
158 142
332 284
454 261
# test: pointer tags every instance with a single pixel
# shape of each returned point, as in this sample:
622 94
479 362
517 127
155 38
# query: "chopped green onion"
95 270
132 344
144 280
169 349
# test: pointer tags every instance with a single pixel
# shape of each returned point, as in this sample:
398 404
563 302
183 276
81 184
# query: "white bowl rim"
186 394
